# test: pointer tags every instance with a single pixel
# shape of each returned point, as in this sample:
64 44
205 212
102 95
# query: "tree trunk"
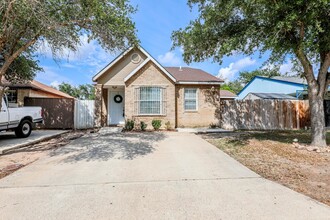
317 118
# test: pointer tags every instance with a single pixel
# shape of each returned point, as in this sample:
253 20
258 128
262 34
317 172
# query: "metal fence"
84 114
265 114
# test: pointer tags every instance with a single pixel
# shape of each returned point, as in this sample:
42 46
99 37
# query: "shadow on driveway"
102 147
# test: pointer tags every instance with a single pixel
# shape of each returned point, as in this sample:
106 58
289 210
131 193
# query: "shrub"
129 125
168 125
143 125
156 124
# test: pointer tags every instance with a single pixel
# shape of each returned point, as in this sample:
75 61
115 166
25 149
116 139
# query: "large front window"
150 100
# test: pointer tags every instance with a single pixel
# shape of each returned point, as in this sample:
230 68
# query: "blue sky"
155 21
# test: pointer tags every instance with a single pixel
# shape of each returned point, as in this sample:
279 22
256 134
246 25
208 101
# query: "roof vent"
180 68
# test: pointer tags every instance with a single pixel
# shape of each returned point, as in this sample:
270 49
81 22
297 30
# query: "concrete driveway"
147 176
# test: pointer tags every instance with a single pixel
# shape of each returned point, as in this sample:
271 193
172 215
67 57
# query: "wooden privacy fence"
57 112
265 114
84 114
64 113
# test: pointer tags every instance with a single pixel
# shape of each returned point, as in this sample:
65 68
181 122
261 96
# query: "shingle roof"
292 79
187 74
273 96
227 94
38 86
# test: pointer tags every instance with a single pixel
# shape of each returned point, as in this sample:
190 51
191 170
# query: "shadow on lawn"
241 137
102 147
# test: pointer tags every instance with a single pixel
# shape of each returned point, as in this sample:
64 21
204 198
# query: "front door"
116 108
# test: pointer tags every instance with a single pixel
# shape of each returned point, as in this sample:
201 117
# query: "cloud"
169 58
286 68
51 77
228 73
55 84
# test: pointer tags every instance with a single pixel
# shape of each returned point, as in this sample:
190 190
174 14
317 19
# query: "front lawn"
272 155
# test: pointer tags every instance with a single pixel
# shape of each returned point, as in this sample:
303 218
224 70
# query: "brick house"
135 86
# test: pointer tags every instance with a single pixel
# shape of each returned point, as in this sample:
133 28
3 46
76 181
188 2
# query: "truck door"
4 117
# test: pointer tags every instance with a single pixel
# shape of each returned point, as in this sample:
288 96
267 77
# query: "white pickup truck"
19 119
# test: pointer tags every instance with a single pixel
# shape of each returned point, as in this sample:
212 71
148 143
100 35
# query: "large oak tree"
297 29
26 25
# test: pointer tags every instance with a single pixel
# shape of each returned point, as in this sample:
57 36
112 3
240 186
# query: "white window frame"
184 100
162 101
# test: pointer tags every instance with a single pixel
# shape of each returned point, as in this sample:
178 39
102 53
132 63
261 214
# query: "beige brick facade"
205 114
150 75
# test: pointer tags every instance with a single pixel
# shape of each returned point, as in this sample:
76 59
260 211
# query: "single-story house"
294 86
136 86
33 89
272 96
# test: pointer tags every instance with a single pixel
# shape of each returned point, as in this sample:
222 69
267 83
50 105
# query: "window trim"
12 90
163 102
184 100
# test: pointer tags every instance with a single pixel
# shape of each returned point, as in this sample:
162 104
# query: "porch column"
98 105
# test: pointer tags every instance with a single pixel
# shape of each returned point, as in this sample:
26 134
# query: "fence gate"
84 114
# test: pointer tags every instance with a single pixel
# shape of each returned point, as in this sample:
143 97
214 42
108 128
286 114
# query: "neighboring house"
34 89
227 95
294 86
254 96
136 86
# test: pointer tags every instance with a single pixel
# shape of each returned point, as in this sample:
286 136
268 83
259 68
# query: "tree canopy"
299 29
84 92
26 25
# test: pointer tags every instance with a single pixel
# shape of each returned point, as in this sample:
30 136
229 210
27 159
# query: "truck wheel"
24 129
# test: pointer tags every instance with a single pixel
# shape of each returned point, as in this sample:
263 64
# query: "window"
12 96
190 99
150 101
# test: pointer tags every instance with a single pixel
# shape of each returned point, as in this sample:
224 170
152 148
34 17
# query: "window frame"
162 101
184 100
12 90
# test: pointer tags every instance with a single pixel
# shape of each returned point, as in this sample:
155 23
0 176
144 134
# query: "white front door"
116 114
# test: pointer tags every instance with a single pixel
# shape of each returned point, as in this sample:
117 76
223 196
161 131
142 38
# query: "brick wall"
150 75
203 117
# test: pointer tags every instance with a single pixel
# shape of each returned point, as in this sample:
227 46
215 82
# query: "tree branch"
323 73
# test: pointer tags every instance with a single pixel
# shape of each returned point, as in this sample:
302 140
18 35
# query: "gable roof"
184 75
149 58
279 79
272 95
227 94
38 86
292 79
191 75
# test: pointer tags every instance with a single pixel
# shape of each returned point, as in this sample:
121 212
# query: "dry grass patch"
273 156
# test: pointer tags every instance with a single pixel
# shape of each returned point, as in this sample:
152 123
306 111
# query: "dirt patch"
273 156
16 159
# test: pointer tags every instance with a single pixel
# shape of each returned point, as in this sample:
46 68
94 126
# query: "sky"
155 21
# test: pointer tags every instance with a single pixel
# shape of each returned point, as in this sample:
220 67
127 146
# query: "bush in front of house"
213 126
129 125
156 123
143 126
168 126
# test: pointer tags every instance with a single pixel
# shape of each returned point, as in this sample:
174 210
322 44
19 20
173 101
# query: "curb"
3 152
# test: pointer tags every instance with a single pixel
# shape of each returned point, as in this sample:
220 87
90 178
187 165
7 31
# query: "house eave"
198 83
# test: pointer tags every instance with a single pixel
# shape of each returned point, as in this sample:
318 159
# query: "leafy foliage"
143 126
129 125
156 124
85 92
28 25
233 86
297 29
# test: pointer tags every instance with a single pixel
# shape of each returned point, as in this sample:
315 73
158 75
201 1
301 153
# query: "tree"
233 86
245 76
296 29
85 92
26 25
